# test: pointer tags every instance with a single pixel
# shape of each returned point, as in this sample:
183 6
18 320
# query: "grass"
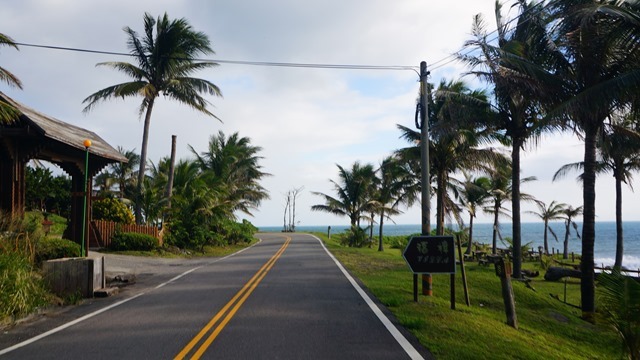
548 328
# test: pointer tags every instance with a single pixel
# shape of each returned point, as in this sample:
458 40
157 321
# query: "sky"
306 120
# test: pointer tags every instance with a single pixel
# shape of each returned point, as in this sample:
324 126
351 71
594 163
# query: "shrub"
55 248
356 237
21 290
133 241
111 209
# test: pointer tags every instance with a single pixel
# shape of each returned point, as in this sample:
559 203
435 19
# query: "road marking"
402 341
229 309
97 312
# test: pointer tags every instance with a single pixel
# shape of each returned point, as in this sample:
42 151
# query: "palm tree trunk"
468 252
143 162
494 247
545 237
619 235
587 281
515 206
565 252
380 245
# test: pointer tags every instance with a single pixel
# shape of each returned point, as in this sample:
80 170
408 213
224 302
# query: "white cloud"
306 120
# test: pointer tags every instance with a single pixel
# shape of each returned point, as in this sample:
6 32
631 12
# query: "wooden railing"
102 231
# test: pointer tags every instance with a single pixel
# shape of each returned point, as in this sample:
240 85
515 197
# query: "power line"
242 62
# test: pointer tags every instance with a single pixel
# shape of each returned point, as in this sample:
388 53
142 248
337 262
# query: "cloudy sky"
306 120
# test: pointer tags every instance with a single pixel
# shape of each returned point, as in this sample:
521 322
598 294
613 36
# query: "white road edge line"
97 312
404 343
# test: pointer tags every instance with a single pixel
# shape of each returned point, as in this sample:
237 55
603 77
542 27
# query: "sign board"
431 255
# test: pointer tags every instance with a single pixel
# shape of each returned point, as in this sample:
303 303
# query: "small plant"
356 237
21 290
54 248
111 209
133 241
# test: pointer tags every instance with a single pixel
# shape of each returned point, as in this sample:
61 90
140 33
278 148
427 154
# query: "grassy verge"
548 328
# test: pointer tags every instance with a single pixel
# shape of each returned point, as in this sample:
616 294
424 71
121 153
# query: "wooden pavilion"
38 136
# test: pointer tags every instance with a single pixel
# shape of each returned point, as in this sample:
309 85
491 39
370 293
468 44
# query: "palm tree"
474 194
232 164
518 94
352 189
395 186
502 192
7 112
596 65
124 173
569 213
166 55
549 213
458 129
618 153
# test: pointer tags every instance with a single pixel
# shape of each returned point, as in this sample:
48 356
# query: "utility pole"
424 165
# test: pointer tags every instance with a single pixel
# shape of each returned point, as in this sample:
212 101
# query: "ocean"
533 233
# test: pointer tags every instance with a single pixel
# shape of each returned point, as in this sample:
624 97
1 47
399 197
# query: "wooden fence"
102 231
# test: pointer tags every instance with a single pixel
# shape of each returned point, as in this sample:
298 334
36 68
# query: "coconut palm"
549 213
501 193
166 55
457 132
232 164
618 152
7 112
352 190
124 172
474 193
596 64
395 186
619 296
518 95
570 213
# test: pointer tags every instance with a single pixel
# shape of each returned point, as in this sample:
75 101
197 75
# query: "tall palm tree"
232 164
618 152
457 132
352 190
570 213
549 213
474 193
124 172
166 55
518 95
501 193
395 186
596 64
7 112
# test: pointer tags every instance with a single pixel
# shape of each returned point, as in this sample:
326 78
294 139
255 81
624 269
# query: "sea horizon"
532 235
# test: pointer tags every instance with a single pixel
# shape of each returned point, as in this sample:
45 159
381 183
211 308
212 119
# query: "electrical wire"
241 62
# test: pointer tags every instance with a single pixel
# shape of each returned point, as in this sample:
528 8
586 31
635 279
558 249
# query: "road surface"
284 298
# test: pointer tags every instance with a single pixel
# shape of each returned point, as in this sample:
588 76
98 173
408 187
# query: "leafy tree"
111 209
474 194
8 113
232 165
510 62
166 55
39 186
395 186
570 213
549 213
619 296
352 188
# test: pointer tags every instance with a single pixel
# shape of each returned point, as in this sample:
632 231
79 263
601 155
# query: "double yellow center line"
229 309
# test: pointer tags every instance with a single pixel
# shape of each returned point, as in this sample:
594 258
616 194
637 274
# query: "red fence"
102 231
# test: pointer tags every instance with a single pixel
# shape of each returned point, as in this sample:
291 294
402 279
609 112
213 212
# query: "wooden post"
415 287
427 285
453 291
503 271
464 274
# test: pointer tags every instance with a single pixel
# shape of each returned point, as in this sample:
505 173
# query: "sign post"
431 255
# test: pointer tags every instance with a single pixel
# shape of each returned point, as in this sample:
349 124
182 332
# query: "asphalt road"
284 298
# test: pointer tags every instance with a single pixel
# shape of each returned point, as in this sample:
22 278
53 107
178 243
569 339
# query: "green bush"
21 290
55 248
111 209
133 241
